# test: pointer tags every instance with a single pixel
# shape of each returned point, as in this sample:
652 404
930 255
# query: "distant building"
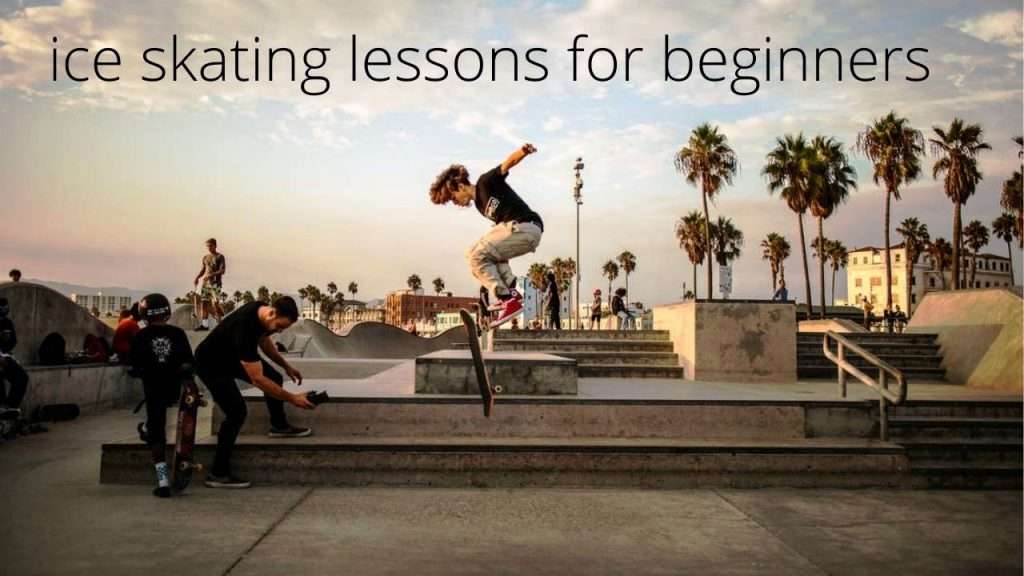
865 276
106 304
407 308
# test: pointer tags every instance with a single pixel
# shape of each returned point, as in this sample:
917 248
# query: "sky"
120 183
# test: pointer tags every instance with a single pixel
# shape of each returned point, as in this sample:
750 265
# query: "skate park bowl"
980 334
37 311
309 339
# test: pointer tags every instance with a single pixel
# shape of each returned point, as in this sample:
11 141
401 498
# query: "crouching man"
232 351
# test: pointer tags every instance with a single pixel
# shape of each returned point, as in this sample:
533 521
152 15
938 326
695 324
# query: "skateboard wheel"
189 399
499 389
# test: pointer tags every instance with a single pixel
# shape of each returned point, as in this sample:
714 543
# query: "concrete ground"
57 519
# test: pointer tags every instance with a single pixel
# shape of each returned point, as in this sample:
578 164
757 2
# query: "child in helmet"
162 357
595 311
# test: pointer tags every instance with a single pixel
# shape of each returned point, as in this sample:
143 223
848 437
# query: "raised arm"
517 157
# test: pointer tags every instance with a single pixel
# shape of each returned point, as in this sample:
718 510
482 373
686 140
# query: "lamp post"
577 195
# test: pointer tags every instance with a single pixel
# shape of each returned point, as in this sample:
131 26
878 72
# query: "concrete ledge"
452 372
93 387
529 462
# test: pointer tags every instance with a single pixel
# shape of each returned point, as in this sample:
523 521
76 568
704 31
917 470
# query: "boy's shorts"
210 292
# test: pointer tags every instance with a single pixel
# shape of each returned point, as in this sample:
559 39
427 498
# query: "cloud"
553 124
999 27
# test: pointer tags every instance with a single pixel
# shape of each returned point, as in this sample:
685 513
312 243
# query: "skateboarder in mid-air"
162 357
517 229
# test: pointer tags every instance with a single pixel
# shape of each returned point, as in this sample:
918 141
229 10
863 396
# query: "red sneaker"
512 308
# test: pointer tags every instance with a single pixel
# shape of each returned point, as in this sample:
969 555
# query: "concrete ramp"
37 311
980 335
364 340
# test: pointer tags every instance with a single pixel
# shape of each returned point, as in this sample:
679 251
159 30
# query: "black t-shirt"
497 201
8 337
159 352
236 339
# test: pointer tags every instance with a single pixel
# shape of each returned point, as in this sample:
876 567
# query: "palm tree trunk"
694 280
974 268
910 272
956 245
1009 252
807 273
888 258
775 278
821 263
627 291
834 269
707 238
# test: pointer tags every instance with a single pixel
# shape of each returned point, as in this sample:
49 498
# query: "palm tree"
1012 200
247 297
975 238
691 237
438 285
263 294
332 288
303 294
707 160
727 241
414 283
788 170
610 270
895 150
627 263
237 296
353 289
941 253
314 296
830 184
537 275
775 249
915 240
957 148
1003 228
838 257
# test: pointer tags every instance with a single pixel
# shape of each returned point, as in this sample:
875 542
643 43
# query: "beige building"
865 276
104 304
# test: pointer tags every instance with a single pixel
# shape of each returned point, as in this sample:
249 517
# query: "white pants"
626 321
488 257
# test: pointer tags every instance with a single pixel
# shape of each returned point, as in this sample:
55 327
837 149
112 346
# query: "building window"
913 280
857 282
913 298
897 258
876 281
894 280
987 285
931 282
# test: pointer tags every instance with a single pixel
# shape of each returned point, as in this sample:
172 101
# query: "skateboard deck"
486 391
185 440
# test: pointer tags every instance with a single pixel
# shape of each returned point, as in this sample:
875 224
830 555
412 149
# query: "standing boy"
517 229
162 356
212 275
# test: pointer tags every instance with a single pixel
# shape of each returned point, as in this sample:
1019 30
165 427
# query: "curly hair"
447 182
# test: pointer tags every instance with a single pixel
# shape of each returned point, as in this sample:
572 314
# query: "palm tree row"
816 176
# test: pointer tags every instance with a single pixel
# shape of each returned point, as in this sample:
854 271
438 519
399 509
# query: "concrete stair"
960 445
918 356
601 353
557 441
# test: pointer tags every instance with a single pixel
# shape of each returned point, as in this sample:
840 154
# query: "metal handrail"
885 370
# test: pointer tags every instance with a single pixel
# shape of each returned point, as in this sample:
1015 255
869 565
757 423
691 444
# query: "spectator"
781 294
212 277
10 371
900 318
15 275
619 309
553 302
127 328
868 307
595 311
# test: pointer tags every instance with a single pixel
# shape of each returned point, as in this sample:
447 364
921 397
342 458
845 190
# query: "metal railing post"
841 365
883 418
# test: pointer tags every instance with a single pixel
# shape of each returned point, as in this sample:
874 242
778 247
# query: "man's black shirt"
497 201
159 352
236 339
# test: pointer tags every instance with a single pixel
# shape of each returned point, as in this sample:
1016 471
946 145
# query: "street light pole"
577 194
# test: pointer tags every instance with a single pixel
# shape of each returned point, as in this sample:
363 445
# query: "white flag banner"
725 279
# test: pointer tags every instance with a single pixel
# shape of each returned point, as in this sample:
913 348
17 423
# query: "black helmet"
155 307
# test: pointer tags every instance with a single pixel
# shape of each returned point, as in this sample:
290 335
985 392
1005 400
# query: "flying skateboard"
185 441
487 392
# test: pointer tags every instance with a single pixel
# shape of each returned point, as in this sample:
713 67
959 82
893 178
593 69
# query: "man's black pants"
12 372
229 398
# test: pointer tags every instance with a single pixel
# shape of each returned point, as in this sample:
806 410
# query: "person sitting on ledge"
232 351
10 370
162 356
781 294
127 328
14 275
619 309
